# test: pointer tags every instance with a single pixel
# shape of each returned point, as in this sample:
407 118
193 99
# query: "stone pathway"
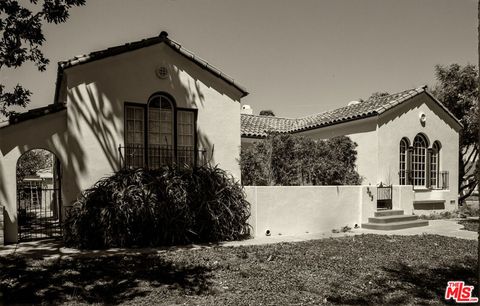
54 249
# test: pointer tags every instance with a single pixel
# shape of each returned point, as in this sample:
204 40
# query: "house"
147 103
407 138
152 103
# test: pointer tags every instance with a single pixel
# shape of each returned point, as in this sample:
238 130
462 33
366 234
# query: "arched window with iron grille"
419 160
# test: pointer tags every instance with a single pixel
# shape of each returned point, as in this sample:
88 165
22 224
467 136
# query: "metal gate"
39 212
384 197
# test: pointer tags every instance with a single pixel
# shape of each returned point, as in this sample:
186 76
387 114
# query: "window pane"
138 126
160 131
153 114
139 114
403 159
134 131
185 137
418 160
135 125
130 113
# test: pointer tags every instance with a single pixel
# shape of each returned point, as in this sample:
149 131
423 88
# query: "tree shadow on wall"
107 279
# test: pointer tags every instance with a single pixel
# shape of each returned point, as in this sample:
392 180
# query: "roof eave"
33 114
332 123
114 51
445 109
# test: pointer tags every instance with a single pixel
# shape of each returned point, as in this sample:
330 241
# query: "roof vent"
353 103
163 34
161 72
247 109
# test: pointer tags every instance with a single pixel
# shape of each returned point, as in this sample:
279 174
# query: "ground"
361 269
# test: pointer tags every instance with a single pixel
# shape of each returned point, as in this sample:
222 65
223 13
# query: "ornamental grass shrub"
169 206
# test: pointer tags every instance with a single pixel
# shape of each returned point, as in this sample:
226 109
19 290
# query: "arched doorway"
38 196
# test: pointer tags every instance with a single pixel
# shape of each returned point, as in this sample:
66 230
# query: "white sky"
294 57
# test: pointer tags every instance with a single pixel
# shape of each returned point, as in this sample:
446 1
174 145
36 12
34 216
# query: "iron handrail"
156 156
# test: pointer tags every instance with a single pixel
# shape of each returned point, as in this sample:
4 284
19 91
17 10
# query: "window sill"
422 189
425 189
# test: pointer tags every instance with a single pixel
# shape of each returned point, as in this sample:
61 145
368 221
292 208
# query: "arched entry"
38 196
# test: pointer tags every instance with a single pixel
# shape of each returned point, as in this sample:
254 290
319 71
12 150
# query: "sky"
294 57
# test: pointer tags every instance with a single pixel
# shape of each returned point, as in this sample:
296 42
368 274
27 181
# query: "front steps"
389 220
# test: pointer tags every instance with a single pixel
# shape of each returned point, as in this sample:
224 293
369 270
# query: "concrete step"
392 219
390 212
395 225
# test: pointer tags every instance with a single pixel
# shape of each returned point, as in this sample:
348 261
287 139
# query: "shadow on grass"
407 284
469 225
108 279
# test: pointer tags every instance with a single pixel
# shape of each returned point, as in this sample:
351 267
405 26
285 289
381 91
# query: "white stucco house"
152 102
407 138
146 103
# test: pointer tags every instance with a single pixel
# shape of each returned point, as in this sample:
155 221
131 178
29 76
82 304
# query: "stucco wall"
403 121
307 209
97 91
402 198
86 138
48 132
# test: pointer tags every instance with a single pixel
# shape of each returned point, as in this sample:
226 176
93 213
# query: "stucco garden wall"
404 121
97 91
402 198
291 210
48 132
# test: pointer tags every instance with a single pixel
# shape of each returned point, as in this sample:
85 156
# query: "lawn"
363 269
469 225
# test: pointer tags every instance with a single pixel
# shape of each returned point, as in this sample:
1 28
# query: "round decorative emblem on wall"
423 117
161 72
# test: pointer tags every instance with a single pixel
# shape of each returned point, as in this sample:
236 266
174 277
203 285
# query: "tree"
375 95
457 89
478 119
21 38
292 160
32 161
267 112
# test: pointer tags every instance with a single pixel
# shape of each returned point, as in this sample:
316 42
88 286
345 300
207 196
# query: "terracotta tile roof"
162 38
258 126
33 113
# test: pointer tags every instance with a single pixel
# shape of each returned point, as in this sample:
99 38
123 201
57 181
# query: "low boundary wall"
293 210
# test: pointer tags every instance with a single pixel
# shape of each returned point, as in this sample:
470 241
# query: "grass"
469 225
367 269
463 212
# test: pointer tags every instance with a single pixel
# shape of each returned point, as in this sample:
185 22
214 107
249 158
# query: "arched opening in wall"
39 205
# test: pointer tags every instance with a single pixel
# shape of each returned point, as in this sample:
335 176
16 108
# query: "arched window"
419 155
435 165
403 161
160 131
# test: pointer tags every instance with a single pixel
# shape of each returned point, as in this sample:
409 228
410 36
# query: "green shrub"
293 160
463 211
159 207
